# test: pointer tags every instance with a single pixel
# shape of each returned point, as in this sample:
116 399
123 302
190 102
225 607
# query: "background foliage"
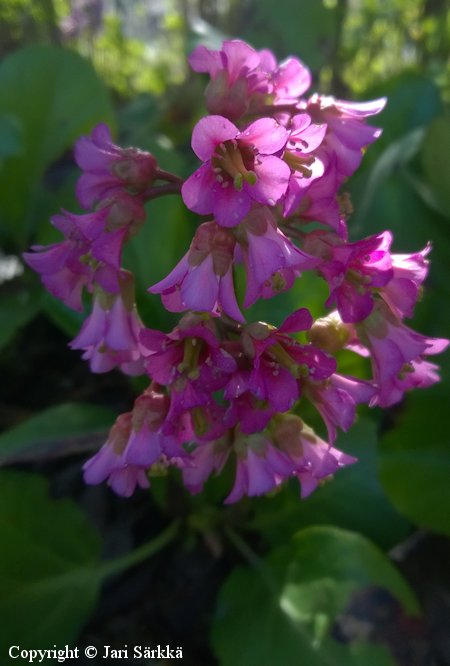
274 580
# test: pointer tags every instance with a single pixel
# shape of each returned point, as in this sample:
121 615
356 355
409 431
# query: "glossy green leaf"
435 156
308 33
292 599
11 137
48 583
415 461
57 431
413 100
55 95
353 499
18 305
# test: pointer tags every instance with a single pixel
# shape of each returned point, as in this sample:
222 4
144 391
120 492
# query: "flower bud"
329 333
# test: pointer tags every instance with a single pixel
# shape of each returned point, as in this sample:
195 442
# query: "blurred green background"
355 575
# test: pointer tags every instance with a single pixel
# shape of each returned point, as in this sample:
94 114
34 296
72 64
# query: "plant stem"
136 556
170 177
162 190
251 557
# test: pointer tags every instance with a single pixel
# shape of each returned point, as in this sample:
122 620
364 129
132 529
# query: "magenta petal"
272 180
307 483
203 59
200 288
239 55
174 277
300 320
197 190
99 467
124 481
171 299
261 479
93 330
209 132
240 483
266 135
227 297
230 206
143 448
361 109
291 79
120 336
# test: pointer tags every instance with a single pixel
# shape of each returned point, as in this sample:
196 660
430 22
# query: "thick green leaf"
18 305
308 33
57 431
413 100
11 139
54 95
435 155
353 499
415 461
48 583
290 603
152 254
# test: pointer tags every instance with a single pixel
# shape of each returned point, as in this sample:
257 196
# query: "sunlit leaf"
54 95
48 584
415 461
57 431
283 611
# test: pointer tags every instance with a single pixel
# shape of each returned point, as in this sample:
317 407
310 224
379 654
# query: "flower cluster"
223 390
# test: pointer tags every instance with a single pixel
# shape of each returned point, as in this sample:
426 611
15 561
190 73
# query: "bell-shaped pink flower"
354 271
239 168
260 467
274 365
397 353
110 335
313 459
244 80
203 279
347 133
109 463
271 260
109 168
409 271
190 360
336 398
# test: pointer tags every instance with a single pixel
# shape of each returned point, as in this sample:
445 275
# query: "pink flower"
315 198
148 440
287 80
313 459
235 75
190 360
110 335
260 467
240 167
397 354
207 458
271 260
347 132
409 271
65 267
353 271
244 80
91 253
275 366
109 463
336 398
203 279
109 168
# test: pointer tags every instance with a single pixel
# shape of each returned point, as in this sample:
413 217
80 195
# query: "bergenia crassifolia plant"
221 388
